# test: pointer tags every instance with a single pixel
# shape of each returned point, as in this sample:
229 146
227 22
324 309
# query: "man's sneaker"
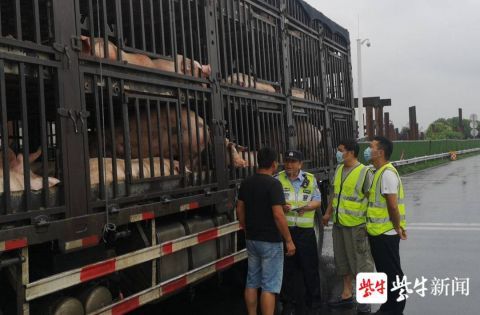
339 302
364 308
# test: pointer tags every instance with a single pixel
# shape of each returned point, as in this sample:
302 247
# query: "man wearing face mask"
386 219
303 198
348 206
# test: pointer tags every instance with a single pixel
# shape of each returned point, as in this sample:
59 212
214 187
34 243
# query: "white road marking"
434 226
444 228
442 224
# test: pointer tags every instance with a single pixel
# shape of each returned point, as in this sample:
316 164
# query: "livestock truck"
126 127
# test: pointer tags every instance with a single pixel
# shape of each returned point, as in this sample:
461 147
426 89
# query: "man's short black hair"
385 145
350 145
266 157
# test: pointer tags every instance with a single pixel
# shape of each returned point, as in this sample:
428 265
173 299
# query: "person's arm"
389 189
311 206
367 184
241 213
282 226
328 214
394 214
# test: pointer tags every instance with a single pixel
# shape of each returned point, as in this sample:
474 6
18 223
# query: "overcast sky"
424 53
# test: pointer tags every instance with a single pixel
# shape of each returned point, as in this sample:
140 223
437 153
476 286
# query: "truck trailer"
126 127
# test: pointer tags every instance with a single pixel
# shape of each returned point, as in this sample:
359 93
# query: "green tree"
446 129
466 126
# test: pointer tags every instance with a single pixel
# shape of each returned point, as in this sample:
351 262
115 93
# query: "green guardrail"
410 149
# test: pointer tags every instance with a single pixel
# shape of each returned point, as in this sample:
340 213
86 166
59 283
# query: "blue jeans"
265 265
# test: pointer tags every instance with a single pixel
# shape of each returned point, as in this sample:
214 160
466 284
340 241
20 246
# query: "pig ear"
33 156
86 45
52 181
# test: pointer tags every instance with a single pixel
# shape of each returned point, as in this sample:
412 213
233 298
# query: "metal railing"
432 157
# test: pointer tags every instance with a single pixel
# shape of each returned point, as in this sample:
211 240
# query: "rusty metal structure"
376 123
121 126
412 114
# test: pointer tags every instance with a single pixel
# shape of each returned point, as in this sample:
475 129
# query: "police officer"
386 219
303 198
348 206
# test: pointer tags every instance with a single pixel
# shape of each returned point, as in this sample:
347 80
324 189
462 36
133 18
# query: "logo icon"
372 288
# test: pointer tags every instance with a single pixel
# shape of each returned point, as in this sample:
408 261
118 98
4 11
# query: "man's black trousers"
386 254
303 263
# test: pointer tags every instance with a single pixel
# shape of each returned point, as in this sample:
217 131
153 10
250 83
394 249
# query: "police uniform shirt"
297 184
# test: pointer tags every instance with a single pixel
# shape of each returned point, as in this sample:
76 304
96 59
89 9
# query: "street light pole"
361 124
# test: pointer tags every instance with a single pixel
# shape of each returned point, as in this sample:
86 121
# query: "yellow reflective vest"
378 220
349 201
298 200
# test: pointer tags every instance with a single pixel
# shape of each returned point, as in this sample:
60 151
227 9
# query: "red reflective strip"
167 248
175 285
224 263
193 205
13 244
97 270
207 235
126 306
90 241
148 215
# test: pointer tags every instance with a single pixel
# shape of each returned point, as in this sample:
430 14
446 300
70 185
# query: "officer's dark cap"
294 155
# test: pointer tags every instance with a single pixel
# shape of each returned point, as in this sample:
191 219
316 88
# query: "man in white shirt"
386 224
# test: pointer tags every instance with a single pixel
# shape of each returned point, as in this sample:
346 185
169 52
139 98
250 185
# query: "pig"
135 163
301 93
250 157
309 138
233 155
298 93
199 70
134 59
248 81
198 128
17 175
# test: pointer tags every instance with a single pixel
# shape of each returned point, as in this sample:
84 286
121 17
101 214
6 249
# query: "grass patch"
412 168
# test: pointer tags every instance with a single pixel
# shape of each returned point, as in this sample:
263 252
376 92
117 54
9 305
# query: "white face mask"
367 154
339 156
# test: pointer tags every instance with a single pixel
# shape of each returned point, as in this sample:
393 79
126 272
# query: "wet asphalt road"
443 214
443 207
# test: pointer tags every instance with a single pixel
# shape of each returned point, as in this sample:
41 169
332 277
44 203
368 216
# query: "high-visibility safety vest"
298 200
349 201
378 220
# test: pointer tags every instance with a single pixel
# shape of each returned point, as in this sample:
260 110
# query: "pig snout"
206 70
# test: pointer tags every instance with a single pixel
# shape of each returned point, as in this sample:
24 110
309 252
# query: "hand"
325 219
287 208
402 233
290 248
301 211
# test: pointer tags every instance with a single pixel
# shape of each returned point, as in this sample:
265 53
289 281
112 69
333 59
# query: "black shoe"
380 312
364 309
339 302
